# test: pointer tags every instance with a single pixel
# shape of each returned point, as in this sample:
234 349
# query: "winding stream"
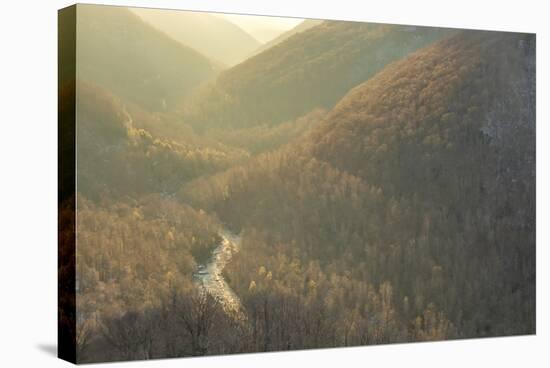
210 278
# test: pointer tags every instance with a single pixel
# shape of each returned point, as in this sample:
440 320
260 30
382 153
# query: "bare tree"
132 334
197 311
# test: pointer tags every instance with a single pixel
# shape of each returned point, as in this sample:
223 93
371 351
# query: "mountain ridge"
134 60
311 69
304 26
215 37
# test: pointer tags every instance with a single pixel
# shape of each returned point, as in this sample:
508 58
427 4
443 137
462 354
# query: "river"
210 277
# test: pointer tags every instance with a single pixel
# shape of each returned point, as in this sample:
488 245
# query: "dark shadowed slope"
120 52
213 36
314 68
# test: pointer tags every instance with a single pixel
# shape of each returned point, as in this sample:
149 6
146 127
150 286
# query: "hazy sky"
263 28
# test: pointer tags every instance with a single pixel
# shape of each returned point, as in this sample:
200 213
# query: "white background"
28 185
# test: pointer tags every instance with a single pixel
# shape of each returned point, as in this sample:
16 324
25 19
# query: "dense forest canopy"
377 183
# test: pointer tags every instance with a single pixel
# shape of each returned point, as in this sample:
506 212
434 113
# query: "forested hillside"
211 35
117 157
120 52
314 68
410 182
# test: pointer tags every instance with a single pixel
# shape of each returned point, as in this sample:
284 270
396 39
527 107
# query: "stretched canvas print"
237 184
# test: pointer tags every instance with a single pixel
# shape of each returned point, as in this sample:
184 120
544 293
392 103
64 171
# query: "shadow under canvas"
50 349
